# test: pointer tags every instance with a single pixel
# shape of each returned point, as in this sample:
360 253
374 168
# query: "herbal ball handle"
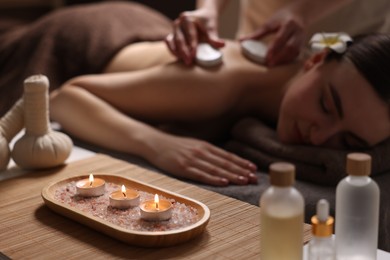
40 147
36 105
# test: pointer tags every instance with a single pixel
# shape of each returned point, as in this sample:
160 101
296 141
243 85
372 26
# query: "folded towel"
257 142
72 41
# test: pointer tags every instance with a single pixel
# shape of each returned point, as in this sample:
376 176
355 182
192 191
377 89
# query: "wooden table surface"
30 230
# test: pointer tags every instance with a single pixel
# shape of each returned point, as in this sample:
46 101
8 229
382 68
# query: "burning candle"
91 187
124 198
156 210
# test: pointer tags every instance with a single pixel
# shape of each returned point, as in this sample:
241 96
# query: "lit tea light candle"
91 187
124 198
156 210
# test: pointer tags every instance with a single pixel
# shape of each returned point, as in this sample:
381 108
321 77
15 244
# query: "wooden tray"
138 238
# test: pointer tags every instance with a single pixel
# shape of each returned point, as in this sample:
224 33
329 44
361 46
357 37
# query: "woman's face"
332 105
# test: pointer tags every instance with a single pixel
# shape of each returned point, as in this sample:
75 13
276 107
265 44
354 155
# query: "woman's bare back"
209 100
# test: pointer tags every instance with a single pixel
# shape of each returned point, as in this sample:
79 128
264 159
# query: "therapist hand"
189 29
289 29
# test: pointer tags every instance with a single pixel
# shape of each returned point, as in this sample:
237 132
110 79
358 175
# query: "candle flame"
124 190
90 179
156 200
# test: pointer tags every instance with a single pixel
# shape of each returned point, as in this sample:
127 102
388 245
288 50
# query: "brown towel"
72 41
257 142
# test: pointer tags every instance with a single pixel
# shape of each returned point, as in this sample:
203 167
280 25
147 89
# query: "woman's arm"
96 108
90 118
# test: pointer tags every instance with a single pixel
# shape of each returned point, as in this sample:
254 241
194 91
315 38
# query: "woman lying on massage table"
148 105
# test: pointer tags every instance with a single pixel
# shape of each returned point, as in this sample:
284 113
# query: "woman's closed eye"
330 101
324 103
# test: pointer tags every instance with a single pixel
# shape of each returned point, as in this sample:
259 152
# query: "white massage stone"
254 50
207 56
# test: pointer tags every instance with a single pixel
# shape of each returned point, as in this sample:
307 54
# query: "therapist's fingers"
210 36
265 30
170 44
287 53
181 44
188 25
188 31
288 39
177 43
286 44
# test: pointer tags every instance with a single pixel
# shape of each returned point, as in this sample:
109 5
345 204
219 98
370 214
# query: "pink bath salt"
182 215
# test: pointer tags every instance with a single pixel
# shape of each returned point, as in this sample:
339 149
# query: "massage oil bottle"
357 211
282 216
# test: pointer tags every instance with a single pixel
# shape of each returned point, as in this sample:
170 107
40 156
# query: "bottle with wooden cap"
321 246
357 210
282 216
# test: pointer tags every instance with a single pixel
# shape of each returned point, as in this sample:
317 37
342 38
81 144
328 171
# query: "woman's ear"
315 59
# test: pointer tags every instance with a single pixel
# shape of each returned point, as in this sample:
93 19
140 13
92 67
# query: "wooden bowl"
132 237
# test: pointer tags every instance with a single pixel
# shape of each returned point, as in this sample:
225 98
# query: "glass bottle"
282 216
321 246
357 211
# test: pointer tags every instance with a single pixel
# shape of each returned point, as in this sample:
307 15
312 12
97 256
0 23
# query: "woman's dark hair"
371 56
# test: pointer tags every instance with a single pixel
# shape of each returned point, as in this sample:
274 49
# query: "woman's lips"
297 136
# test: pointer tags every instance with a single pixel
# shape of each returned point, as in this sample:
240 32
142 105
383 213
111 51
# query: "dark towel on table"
72 41
257 142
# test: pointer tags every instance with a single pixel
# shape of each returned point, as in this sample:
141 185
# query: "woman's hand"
289 29
189 29
200 161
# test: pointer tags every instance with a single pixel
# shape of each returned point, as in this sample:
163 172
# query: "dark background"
171 8
19 15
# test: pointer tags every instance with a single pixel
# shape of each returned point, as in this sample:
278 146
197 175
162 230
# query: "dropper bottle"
321 246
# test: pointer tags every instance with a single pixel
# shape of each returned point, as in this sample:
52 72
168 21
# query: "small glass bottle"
321 246
282 216
357 211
